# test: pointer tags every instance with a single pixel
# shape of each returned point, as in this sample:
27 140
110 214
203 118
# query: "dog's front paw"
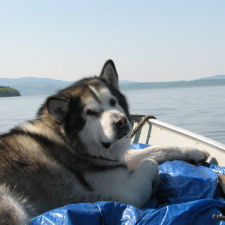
195 155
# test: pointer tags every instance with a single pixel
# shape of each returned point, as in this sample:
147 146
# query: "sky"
149 40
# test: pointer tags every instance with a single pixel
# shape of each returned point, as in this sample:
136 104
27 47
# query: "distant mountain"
47 86
218 80
39 86
6 91
216 77
127 81
35 86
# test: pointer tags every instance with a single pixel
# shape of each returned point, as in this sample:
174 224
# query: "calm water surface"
199 109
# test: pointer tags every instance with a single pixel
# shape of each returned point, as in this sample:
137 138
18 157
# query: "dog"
77 150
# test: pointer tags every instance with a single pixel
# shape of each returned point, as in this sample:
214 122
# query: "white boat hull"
155 132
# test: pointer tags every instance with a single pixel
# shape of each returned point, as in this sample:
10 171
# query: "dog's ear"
57 107
109 74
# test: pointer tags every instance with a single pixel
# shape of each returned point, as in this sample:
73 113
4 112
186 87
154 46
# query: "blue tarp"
187 194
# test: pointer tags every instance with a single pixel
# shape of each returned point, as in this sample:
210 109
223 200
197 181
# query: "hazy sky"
156 40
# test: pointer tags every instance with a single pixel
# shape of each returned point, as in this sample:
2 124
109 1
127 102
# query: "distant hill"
218 80
35 86
127 81
39 86
216 77
47 86
6 91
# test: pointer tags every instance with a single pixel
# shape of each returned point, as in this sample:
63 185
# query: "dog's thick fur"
77 151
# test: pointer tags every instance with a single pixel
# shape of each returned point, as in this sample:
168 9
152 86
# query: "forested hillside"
8 91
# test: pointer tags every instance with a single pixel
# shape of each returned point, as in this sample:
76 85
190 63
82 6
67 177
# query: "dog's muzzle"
121 127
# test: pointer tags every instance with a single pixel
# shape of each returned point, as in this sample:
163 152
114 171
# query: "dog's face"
94 111
106 119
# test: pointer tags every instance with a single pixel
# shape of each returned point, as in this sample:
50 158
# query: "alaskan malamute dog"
76 150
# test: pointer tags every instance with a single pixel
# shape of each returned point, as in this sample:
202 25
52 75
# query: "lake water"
198 109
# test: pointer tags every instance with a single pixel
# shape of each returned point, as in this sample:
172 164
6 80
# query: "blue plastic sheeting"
183 182
187 194
112 213
217 169
139 146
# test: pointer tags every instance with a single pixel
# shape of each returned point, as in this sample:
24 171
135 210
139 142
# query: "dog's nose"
121 122
122 127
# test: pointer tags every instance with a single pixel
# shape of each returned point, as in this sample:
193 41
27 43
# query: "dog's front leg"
141 183
164 153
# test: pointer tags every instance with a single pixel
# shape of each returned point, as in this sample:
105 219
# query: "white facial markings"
100 128
105 98
108 119
91 104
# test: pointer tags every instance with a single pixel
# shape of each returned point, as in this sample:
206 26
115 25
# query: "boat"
155 132
187 194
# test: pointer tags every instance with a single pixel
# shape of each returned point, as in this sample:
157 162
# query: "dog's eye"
91 112
112 102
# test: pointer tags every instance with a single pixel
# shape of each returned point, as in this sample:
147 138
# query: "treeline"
6 91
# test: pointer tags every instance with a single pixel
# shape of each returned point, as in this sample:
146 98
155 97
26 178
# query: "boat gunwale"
220 146
188 133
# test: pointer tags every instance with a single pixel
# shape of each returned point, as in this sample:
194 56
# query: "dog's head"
93 112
